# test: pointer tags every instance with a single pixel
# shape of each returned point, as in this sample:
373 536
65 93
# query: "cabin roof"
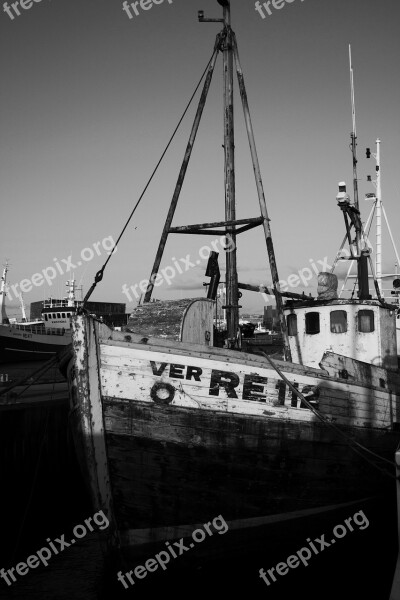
316 303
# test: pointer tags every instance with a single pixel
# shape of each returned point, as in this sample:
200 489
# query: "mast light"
342 197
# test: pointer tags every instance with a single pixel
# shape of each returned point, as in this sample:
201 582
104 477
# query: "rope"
99 274
349 440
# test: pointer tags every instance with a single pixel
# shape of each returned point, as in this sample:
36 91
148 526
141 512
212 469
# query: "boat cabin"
58 317
360 329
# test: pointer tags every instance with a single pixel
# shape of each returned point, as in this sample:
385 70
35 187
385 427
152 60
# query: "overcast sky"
89 98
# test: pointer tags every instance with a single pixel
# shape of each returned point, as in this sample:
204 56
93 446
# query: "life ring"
162 393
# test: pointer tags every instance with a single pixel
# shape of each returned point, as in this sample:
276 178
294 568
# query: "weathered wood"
228 224
173 319
231 276
263 289
197 326
356 370
86 406
230 462
128 339
190 428
200 382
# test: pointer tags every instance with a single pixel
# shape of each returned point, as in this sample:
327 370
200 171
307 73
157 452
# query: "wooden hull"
171 436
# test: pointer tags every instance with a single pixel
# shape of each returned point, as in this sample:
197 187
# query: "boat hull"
19 344
169 438
240 467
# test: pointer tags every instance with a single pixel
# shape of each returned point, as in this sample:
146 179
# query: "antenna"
354 139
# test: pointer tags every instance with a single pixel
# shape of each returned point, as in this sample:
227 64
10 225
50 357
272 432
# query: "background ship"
36 340
50 332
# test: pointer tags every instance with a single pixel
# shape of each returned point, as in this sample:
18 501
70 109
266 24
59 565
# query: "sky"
89 98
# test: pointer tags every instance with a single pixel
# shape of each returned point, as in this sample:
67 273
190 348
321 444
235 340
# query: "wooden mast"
232 297
226 42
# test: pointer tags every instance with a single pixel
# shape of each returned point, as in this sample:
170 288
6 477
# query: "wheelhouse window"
312 323
291 321
63 315
58 315
366 321
338 321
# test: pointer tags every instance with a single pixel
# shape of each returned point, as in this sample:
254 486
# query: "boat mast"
362 254
3 293
226 43
353 136
71 292
378 259
23 310
232 296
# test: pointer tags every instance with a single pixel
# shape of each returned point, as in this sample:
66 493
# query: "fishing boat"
172 430
378 211
36 340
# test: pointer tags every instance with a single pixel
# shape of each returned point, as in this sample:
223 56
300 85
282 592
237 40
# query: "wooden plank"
131 340
84 377
213 459
131 375
358 371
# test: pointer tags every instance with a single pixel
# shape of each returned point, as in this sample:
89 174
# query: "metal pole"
182 173
378 259
232 296
3 294
354 148
262 202
351 263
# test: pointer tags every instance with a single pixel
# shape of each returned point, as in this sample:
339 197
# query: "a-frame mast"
226 42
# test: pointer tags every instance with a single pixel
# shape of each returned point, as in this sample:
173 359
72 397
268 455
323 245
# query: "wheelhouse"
363 330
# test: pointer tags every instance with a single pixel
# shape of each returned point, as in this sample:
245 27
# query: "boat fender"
162 393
